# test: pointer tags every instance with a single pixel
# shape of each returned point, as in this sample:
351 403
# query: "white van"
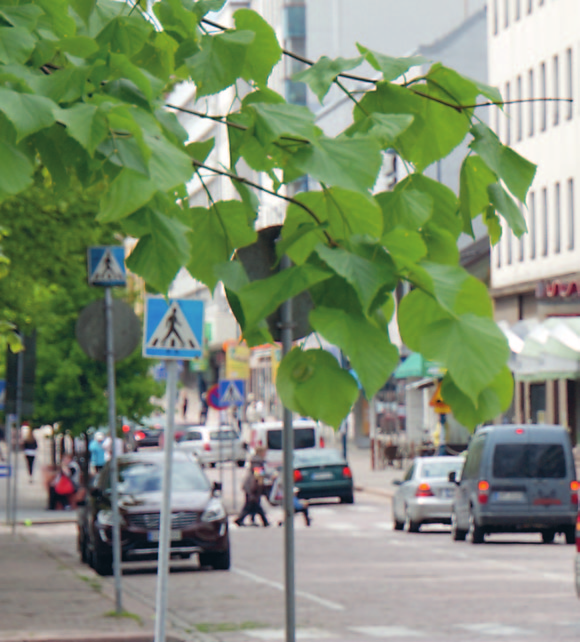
268 435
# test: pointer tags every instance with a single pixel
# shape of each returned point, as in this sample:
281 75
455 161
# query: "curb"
87 637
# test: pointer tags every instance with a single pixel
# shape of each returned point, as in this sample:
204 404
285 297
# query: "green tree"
47 235
82 88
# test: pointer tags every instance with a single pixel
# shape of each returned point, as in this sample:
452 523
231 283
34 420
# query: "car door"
399 500
469 480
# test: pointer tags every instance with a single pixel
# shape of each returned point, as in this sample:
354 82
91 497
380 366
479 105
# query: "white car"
212 444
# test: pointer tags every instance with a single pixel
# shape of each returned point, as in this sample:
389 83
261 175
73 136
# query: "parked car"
517 478
198 519
212 444
425 495
323 472
148 432
577 561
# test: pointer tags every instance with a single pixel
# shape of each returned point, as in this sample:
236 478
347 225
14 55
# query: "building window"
543 108
519 108
557 220
533 234
518 9
556 67
569 85
508 116
509 252
506 14
531 105
545 236
498 253
521 239
295 41
541 2
530 6
571 227
497 121
495 20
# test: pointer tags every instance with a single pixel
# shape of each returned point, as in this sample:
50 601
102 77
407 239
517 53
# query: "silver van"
516 478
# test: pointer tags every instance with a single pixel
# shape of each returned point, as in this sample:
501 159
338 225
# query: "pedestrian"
277 497
29 446
108 443
62 488
184 406
253 487
98 455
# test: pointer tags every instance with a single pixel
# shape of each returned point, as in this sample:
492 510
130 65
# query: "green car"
322 472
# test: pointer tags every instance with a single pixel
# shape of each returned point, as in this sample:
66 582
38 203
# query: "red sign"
213 398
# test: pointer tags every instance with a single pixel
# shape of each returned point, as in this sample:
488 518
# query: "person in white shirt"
107 444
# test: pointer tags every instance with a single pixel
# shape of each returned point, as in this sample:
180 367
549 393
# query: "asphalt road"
358 580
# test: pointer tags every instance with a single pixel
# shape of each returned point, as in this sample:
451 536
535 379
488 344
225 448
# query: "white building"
534 53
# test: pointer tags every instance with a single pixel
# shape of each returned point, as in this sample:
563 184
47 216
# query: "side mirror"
397 482
452 477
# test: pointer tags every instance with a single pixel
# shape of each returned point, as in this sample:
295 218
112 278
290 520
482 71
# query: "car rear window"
303 438
194 435
222 435
517 461
440 469
317 457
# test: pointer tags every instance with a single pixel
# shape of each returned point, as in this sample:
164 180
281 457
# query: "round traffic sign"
213 398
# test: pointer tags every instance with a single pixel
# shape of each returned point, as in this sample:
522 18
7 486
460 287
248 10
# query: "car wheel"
548 536
397 525
570 534
476 533
102 563
457 534
410 525
218 561
83 549
347 499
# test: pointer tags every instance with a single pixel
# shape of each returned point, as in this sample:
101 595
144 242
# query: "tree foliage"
45 289
83 86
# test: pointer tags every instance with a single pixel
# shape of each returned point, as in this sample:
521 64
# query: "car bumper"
320 491
525 521
430 510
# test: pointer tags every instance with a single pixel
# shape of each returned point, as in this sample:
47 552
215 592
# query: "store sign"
558 289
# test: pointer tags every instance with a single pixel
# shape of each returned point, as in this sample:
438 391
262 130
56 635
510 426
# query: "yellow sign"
437 402
237 361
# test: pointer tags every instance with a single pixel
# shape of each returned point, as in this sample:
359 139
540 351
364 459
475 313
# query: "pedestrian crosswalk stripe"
280 634
232 395
108 269
494 628
388 631
174 331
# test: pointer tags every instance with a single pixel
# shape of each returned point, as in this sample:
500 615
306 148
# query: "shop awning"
415 365
544 350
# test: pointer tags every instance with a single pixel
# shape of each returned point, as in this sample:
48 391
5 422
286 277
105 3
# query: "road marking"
333 606
280 634
492 628
384 526
362 508
387 631
342 526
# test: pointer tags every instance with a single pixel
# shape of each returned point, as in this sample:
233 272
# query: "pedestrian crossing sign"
106 266
173 328
232 392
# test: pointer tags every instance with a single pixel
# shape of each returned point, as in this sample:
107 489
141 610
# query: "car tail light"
424 490
574 487
126 428
139 435
322 442
297 476
483 491
346 472
578 534
207 446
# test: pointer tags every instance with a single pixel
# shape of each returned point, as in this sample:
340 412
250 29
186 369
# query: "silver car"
213 444
425 495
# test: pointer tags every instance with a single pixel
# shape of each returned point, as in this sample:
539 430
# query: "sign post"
232 392
442 409
173 331
106 268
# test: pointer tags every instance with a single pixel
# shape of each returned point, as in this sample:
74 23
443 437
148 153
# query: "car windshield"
191 435
146 477
318 458
439 469
544 461
303 438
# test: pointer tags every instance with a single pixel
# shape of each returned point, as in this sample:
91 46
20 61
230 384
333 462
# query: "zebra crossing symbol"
173 329
106 266
232 392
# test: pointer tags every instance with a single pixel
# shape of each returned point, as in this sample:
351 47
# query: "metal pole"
8 434
19 379
288 479
165 521
113 434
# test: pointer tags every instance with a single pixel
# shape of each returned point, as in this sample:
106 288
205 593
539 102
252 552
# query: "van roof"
537 431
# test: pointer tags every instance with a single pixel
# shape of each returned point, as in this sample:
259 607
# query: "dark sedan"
149 432
198 518
322 472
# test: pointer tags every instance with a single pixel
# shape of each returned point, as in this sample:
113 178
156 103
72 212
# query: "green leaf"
220 61
15 170
415 312
458 89
462 342
313 384
79 46
384 127
124 35
368 348
264 51
344 213
404 207
445 202
274 120
127 193
27 112
441 244
475 177
492 400
202 7
16 44
64 85
200 150
177 20
260 298
158 55
86 124
320 76
505 205
122 68
216 233
405 244
391 68
351 163
516 172
494 229
25 15
162 251
367 277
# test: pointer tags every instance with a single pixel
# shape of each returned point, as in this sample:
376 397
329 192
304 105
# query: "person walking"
29 446
253 487
277 498
98 457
